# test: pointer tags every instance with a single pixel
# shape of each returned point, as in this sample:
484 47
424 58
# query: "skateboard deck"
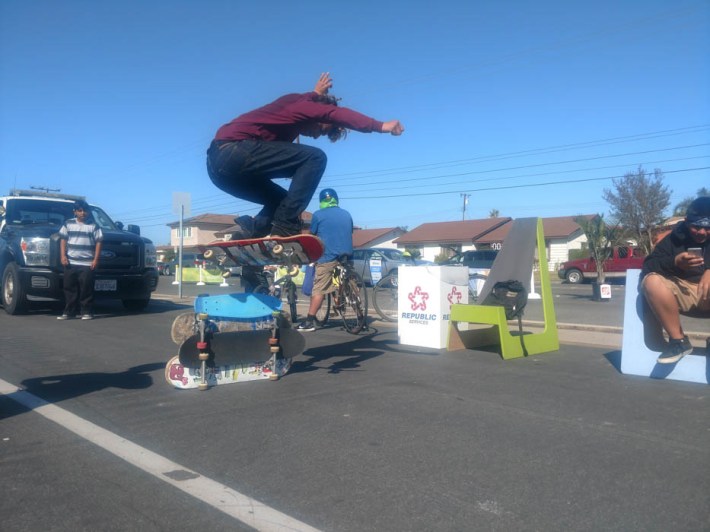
185 325
242 347
228 312
290 251
238 306
186 377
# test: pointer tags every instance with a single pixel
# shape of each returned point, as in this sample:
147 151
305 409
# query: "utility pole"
465 202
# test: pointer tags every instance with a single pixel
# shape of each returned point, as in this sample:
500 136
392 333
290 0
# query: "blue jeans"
245 169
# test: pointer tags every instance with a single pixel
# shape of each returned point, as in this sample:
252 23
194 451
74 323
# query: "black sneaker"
245 228
676 350
306 326
284 230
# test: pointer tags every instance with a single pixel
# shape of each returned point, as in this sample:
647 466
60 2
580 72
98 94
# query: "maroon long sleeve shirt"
284 119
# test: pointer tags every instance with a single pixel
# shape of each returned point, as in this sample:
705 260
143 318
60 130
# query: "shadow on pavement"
614 358
351 353
57 388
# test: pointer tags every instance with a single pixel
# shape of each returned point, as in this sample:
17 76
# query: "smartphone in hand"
698 252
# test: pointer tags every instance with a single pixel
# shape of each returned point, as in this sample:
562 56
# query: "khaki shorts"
685 292
323 280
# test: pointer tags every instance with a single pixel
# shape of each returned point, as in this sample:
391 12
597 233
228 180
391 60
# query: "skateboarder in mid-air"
257 147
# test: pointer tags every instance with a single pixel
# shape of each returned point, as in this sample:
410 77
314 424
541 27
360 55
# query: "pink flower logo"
418 299
454 295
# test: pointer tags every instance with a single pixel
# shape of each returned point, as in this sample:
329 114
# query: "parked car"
375 263
479 263
623 258
30 266
477 258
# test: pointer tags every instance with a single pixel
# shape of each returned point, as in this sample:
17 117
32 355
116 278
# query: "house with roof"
380 238
196 231
562 234
433 239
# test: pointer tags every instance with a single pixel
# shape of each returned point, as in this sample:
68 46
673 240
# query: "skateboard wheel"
203 386
208 254
273 341
275 349
203 356
273 377
294 270
277 249
202 346
202 316
226 274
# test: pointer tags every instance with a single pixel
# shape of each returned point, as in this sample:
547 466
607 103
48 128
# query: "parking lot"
362 434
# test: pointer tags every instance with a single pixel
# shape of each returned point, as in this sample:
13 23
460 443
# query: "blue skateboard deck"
240 306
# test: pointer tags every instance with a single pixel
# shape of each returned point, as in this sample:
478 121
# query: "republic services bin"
424 298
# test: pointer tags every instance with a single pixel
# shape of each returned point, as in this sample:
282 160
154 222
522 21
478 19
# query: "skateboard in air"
290 251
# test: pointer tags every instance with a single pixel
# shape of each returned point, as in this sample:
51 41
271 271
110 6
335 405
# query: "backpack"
511 295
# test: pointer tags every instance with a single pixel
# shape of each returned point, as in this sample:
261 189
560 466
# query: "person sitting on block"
675 277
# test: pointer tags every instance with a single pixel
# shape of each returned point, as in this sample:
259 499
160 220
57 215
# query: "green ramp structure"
513 262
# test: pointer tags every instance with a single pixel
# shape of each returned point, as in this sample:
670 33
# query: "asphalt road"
362 434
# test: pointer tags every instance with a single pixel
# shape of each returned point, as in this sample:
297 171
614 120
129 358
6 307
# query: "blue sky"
529 108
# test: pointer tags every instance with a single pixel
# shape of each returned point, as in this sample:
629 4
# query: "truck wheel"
135 304
574 277
13 293
166 271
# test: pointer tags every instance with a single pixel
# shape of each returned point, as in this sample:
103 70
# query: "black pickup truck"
30 266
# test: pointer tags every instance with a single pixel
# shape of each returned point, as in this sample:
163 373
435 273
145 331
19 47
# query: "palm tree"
680 208
601 238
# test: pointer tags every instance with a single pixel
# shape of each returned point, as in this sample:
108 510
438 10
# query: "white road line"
219 496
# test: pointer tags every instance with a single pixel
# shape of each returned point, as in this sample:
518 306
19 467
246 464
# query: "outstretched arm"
394 127
323 84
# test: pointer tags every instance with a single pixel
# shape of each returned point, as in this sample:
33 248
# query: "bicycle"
385 293
349 298
262 282
384 296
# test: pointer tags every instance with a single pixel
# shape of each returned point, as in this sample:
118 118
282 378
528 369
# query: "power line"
529 185
243 206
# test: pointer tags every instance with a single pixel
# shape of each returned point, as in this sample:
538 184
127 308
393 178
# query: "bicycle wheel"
384 296
354 305
324 311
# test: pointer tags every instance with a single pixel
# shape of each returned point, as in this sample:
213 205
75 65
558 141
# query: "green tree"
680 208
601 238
495 213
415 253
638 202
